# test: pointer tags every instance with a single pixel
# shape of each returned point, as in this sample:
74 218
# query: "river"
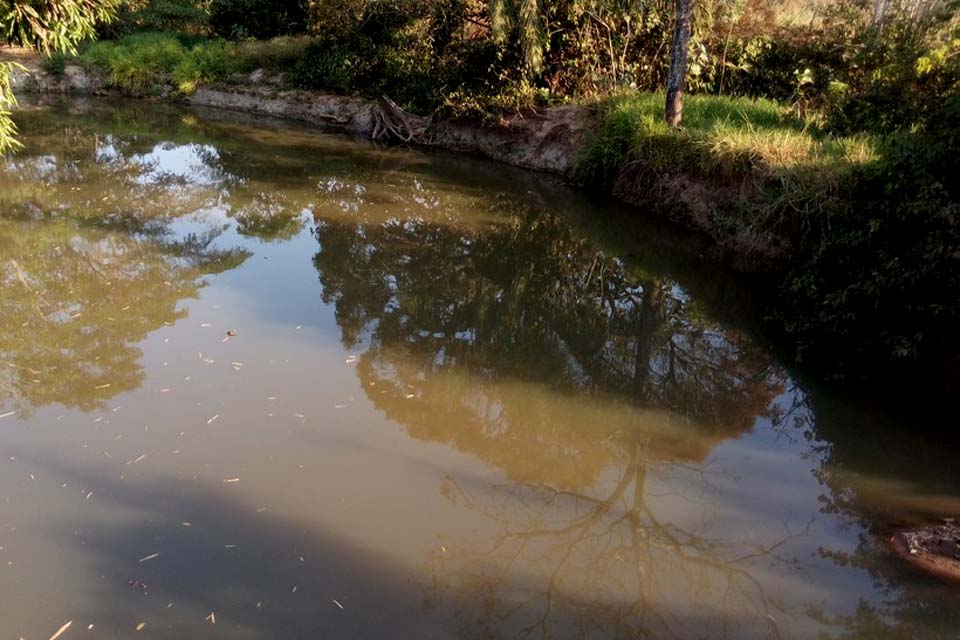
260 381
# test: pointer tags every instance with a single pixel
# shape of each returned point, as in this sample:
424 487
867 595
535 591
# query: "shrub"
146 62
333 66
280 53
55 64
884 286
261 19
135 16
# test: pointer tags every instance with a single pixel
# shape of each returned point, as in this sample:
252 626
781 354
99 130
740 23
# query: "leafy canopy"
49 26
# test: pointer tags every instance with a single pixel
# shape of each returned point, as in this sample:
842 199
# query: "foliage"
277 54
885 283
134 16
237 19
755 143
55 64
48 25
142 63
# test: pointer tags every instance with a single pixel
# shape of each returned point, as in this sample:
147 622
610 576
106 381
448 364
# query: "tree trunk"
880 11
676 79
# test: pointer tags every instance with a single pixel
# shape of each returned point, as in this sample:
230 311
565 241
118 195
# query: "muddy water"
263 382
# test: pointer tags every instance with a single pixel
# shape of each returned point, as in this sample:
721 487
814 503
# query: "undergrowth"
786 169
148 62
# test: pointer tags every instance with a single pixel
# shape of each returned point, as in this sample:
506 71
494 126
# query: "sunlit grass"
757 144
146 62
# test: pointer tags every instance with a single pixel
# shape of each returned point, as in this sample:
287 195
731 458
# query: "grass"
148 62
780 164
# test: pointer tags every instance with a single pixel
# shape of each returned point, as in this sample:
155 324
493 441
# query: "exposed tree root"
393 124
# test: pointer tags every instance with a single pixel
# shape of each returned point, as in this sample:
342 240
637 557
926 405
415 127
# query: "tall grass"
758 145
148 62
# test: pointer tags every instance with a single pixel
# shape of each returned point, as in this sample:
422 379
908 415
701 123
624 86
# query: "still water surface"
460 402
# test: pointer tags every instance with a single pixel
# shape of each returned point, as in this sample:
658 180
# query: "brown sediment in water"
935 550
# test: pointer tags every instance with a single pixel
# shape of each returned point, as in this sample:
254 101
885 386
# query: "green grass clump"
757 145
147 62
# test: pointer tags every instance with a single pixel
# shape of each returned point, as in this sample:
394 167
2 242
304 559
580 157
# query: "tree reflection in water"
577 375
89 265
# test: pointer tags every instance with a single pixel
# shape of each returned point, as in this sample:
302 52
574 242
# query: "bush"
333 66
143 63
134 16
261 19
884 286
55 64
278 54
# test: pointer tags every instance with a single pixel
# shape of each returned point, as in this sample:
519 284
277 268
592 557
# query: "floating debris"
229 480
137 459
150 557
213 419
141 626
338 604
102 386
61 630
212 618
231 333
7 414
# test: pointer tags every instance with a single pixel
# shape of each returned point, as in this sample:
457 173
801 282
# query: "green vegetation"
51 26
150 62
778 160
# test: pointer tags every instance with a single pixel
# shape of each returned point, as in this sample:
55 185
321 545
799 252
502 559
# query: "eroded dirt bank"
548 141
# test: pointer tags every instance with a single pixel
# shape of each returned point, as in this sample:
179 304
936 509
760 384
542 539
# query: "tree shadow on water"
260 574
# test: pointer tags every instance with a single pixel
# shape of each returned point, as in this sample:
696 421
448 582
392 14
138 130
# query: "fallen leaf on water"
141 626
61 630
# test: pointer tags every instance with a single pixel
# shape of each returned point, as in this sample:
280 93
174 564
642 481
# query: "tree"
48 26
676 79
